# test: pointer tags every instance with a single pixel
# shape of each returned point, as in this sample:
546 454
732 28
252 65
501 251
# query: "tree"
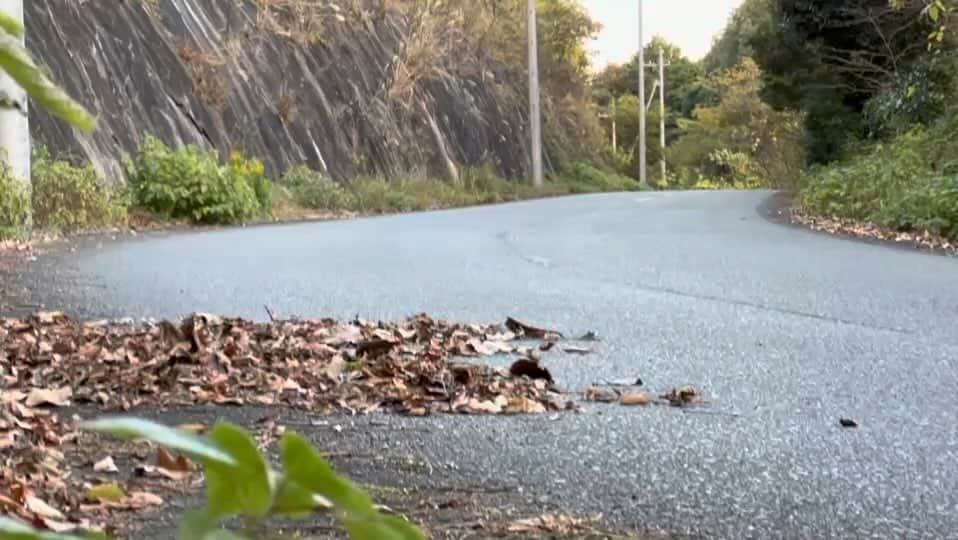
683 92
735 42
829 58
740 140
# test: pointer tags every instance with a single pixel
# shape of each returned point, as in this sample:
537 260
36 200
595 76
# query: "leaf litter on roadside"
48 361
316 365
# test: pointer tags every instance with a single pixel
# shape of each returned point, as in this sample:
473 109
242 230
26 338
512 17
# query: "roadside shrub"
379 195
583 177
14 203
252 172
70 198
189 183
910 184
314 190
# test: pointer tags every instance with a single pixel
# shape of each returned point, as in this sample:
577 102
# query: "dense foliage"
718 129
189 183
14 204
909 183
876 84
70 198
832 60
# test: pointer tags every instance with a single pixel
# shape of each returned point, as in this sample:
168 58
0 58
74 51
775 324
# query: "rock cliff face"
241 75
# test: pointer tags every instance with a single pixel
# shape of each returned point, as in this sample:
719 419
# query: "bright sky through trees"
691 24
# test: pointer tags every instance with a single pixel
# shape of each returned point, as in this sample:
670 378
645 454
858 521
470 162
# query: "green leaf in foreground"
11 25
304 466
126 427
243 487
383 528
197 525
16 61
11 529
293 500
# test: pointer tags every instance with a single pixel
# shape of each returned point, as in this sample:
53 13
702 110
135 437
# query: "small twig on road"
270 313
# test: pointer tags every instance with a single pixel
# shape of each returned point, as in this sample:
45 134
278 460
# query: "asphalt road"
783 330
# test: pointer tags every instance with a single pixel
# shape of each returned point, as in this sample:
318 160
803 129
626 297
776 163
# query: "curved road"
783 330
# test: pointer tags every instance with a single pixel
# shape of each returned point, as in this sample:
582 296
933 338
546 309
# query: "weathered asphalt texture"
783 330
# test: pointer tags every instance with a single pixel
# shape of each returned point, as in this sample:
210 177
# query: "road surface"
783 330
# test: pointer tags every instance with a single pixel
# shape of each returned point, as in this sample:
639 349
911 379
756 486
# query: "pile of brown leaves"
317 365
32 481
49 477
832 225
58 479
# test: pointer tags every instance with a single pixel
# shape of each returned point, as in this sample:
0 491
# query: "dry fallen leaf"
683 395
602 395
525 405
477 406
528 330
635 398
197 429
40 508
549 523
150 471
106 465
11 396
180 463
57 397
50 317
142 499
531 369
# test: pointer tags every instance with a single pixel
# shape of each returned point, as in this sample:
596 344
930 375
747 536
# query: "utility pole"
535 114
615 145
662 111
641 65
14 122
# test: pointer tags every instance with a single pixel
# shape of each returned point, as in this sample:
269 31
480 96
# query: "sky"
691 24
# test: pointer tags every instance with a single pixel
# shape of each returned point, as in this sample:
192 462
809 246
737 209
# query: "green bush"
189 183
14 204
380 195
253 173
582 177
909 184
70 198
476 185
314 190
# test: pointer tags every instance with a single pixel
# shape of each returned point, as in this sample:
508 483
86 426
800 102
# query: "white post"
535 114
14 122
642 172
615 145
662 111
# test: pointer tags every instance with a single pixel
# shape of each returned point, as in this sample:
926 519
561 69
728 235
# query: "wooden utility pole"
662 111
14 122
641 65
535 114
